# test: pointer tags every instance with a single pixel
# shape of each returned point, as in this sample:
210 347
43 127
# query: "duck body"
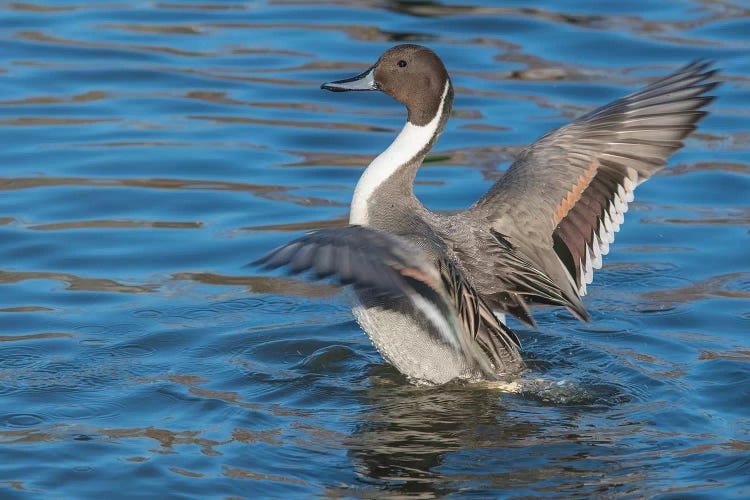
411 334
428 288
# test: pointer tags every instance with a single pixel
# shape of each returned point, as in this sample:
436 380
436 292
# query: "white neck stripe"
409 143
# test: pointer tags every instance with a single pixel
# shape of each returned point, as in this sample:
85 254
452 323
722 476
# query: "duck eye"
401 63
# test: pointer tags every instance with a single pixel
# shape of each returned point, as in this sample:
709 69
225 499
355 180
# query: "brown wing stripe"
416 274
577 190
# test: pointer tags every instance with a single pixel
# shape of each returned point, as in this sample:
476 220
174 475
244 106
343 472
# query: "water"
151 149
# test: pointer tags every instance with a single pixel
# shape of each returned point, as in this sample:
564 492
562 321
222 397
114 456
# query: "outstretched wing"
371 261
389 266
564 198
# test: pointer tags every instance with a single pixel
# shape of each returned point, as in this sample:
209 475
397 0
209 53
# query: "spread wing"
564 198
388 266
371 261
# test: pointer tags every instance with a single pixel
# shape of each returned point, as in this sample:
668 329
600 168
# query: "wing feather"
561 213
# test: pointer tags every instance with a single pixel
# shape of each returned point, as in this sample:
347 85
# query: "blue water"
151 149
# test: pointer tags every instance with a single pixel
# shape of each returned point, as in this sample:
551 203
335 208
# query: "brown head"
413 75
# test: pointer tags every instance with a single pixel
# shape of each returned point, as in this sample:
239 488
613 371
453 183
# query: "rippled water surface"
152 149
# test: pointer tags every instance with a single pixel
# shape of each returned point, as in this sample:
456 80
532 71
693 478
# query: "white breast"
404 343
412 140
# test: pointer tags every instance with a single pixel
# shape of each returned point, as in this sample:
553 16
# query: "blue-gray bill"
363 81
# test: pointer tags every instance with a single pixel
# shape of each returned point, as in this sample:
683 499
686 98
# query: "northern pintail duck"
430 289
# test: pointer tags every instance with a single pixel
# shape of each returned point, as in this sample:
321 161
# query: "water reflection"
421 442
406 433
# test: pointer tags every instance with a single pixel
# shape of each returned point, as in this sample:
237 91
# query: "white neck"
412 140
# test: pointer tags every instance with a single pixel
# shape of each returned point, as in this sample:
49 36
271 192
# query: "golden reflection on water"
38 36
272 192
161 29
35 336
42 120
225 74
115 224
733 216
264 284
33 7
75 282
485 158
297 124
716 286
222 98
718 166
90 96
300 226
205 6
737 355
26 309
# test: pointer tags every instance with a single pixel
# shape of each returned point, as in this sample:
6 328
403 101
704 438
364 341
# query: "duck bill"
364 81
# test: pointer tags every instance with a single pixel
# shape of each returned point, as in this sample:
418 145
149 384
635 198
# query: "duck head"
413 75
